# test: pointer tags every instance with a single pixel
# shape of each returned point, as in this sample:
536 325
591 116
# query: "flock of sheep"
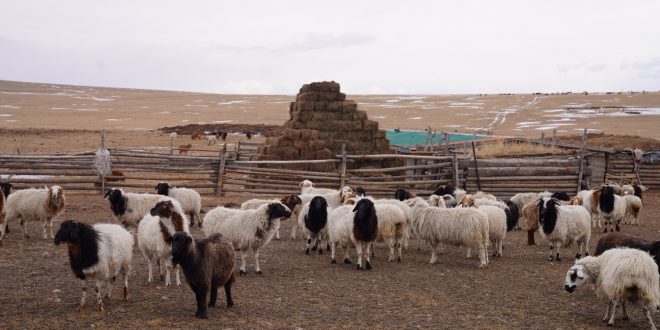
347 218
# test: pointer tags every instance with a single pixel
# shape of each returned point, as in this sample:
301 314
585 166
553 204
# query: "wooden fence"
620 168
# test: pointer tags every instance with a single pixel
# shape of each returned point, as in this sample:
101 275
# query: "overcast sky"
273 47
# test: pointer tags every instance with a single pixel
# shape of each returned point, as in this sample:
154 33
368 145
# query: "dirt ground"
520 290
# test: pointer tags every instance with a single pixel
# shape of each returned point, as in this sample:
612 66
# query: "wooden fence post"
238 150
103 148
171 147
584 144
454 161
476 167
221 171
342 174
447 136
554 137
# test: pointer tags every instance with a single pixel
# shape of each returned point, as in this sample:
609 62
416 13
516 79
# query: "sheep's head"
163 209
577 200
450 201
346 192
291 201
162 188
117 201
562 196
437 201
468 201
575 277
306 184
402 194
277 210
55 198
181 243
360 192
69 232
444 190
6 188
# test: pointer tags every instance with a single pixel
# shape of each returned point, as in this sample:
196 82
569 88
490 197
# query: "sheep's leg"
83 295
25 232
50 225
483 255
277 234
230 301
308 245
176 275
294 228
434 248
608 311
625 312
243 262
200 295
469 253
358 249
617 225
392 244
124 275
611 321
109 291
368 265
398 246
499 248
347 257
257 269
168 272
530 237
372 250
647 313
214 294
333 247
99 300
150 276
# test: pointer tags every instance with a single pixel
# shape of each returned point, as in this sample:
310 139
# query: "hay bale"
301 145
370 125
335 106
349 106
321 106
308 134
340 97
307 97
380 134
323 86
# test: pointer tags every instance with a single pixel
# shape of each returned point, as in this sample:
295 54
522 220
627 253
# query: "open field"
33 105
520 290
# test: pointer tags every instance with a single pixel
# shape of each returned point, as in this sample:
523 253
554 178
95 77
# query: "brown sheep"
196 135
183 148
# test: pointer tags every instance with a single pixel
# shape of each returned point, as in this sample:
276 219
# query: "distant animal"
223 136
207 265
211 139
196 135
183 148
97 252
173 136
116 176
248 135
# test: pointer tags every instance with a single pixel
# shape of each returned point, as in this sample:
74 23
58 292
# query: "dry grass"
494 149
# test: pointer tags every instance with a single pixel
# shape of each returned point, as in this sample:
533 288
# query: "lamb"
633 207
307 187
38 204
313 219
184 148
293 202
611 207
247 229
615 240
562 225
99 252
456 226
154 234
207 264
622 275
190 200
129 208
354 225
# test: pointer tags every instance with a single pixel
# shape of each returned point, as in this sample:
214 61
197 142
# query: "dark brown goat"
618 239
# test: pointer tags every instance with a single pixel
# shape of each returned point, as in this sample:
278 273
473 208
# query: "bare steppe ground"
520 290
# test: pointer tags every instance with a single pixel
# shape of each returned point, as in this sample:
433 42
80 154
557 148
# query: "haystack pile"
320 121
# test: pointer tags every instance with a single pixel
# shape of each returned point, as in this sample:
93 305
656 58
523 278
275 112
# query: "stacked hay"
321 121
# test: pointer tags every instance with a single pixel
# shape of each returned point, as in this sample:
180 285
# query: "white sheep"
611 207
190 200
307 187
496 227
627 189
99 252
211 139
439 201
155 232
562 225
173 136
633 207
293 202
35 204
407 212
457 226
129 208
392 226
353 225
622 275
247 229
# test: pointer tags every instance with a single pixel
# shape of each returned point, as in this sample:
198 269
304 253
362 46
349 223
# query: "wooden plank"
397 156
221 170
263 170
400 168
394 183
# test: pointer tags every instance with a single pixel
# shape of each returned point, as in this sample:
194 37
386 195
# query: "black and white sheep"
456 226
207 265
189 199
313 219
154 234
293 202
248 230
97 252
622 275
562 225
129 208
334 199
611 207
35 204
354 226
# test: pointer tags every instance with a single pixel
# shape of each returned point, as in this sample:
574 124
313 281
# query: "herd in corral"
624 268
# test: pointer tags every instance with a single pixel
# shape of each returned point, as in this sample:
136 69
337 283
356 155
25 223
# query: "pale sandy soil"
31 105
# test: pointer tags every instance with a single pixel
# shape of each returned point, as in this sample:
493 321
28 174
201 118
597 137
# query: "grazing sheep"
129 208
184 148
307 187
247 229
155 236
313 218
35 204
457 226
562 225
293 202
402 195
530 222
633 207
196 135
173 136
615 240
622 275
189 199
207 265
354 225
99 252
611 207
